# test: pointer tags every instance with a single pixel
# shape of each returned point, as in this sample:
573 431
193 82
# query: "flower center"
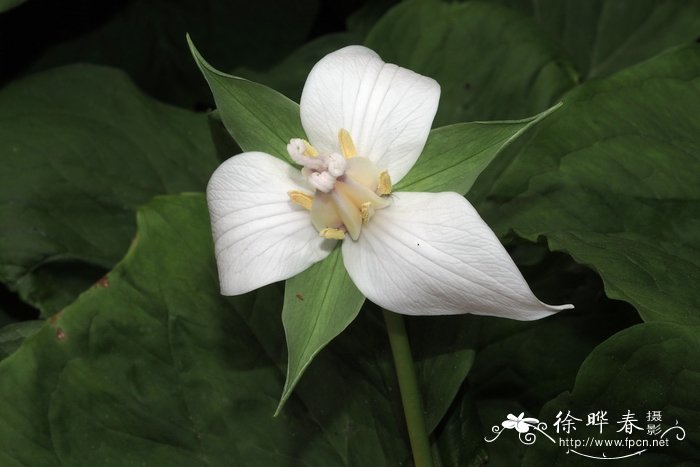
348 188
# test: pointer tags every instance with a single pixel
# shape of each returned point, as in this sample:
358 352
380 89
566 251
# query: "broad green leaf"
442 347
459 441
614 181
12 335
605 36
289 75
153 368
81 149
649 367
319 304
258 118
492 63
455 155
147 38
6 5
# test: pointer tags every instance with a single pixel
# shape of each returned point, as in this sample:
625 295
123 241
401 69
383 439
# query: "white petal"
431 254
260 236
386 109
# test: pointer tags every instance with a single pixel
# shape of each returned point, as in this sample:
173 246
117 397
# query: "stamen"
310 150
385 186
335 234
347 147
366 211
304 154
304 200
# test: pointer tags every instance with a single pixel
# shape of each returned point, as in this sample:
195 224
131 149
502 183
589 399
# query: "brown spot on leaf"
300 297
103 282
60 334
53 318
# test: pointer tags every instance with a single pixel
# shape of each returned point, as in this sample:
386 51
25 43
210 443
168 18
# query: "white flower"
413 253
522 425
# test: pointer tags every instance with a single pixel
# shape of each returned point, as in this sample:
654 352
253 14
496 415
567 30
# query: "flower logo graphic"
521 424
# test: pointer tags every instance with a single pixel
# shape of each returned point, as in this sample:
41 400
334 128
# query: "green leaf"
455 155
605 36
154 369
443 351
81 149
319 304
649 367
12 335
492 63
258 118
460 441
614 181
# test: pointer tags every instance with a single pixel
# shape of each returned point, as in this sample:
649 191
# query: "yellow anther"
366 211
385 186
347 147
335 234
302 199
310 150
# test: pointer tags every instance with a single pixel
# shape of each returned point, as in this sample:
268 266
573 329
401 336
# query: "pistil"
349 187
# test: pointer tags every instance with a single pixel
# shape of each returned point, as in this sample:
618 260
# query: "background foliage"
115 346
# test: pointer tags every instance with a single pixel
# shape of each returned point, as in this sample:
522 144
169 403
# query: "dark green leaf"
460 441
614 181
491 62
81 149
154 368
443 349
605 36
258 118
649 367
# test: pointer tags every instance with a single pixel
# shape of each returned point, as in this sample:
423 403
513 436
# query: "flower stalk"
408 387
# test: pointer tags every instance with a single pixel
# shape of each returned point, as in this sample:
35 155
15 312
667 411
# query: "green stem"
408 386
